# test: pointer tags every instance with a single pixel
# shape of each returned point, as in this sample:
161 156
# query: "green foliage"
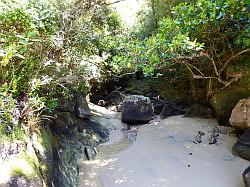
49 49
204 36
150 16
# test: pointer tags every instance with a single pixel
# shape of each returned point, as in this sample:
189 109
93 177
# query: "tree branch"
234 56
118 1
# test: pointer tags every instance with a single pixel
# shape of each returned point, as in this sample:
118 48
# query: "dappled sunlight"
4 176
128 10
100 111
91 168
165 154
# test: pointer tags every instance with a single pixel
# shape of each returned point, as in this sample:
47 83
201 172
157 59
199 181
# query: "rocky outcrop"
137 109
82 109
198 111
240 117
223 103
73 134
246 177
242 147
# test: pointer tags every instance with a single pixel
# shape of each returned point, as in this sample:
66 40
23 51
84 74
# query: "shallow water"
163 155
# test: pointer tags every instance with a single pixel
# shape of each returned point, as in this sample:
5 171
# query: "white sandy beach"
164 155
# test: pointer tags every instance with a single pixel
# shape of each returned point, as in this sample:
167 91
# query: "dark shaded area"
224 101
242 147
199 111
172 109
73 136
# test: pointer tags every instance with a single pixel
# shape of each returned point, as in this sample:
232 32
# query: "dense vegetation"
49 48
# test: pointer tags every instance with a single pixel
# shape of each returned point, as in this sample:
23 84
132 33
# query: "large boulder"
137 109
224 102
246 177
82 109
240 117
242 147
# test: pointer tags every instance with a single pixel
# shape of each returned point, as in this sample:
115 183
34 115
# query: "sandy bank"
164 155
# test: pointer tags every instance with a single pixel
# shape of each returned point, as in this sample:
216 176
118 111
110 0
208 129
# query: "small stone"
213 138
198 137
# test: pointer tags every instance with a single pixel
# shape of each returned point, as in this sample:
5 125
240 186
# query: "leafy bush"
48 49
204 36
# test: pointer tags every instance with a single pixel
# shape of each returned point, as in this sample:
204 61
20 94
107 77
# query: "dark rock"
213 138
171 109
73 134
246 177
158 105
64 124
137 109
82 109
242 147
96 128
224 102
198 111
198 137
65 169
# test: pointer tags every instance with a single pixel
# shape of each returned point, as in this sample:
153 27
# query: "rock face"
198 111
82 109
246 177
73 133
240 117
224 102
137 109
242 147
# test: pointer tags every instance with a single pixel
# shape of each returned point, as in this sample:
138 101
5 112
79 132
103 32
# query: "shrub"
204 36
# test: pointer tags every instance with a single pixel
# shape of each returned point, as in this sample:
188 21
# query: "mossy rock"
224 102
